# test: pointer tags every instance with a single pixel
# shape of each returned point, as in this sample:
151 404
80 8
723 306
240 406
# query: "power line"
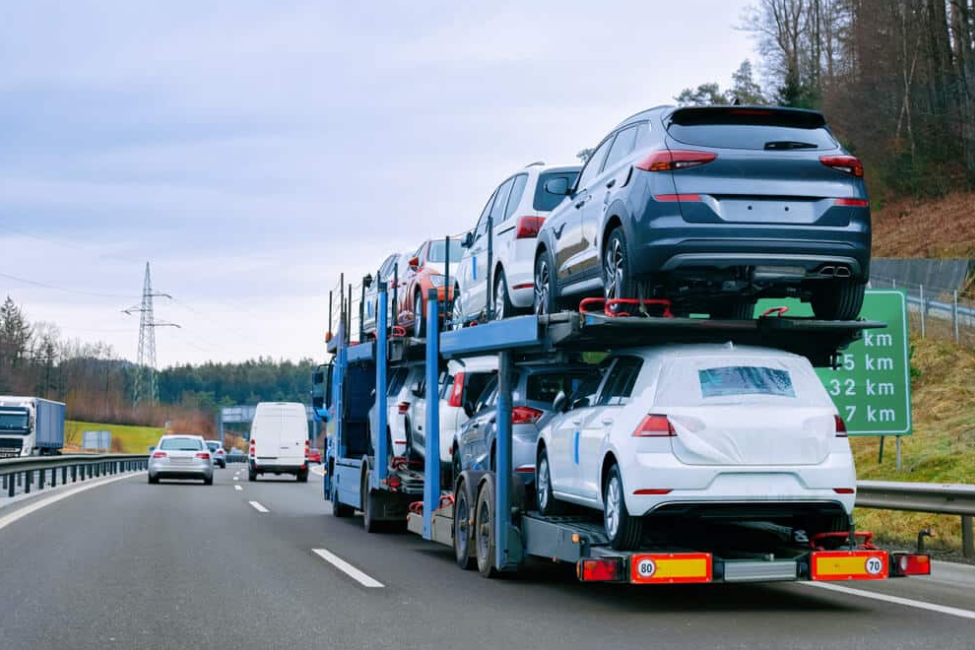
59 242
81 292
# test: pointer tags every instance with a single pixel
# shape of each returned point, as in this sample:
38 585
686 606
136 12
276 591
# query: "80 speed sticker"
646 568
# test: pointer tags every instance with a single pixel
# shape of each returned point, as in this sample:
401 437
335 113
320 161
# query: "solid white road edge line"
238 488
347 568
907 602
258 506
37 505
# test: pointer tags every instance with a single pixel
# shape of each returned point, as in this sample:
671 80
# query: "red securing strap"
774 311
585 304
399 331
863 539
446 500
662 302
416 507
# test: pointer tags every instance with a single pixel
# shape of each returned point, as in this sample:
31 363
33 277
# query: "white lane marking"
236 478
258 506
26 510
347 568
897 600
238 488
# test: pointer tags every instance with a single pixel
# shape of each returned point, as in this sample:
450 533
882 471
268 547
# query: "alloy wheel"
418 316
614 269
542 483
541 288
612 506
499 300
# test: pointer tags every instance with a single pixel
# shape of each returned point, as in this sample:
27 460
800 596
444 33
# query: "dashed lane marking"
347 569
258 507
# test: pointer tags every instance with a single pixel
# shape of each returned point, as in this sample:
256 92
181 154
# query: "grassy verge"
942 449
125 439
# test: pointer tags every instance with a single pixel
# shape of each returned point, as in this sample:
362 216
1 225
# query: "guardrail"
938 498
22 471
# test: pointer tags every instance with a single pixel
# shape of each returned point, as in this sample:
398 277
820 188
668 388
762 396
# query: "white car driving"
518 208
716 431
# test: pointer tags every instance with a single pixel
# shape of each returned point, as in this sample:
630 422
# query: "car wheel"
547 503
617 277
624 530
546 297
153 479
838 299
302 476
208 481
502 303
457 310
484 531
455 466
463 525
419 323
734 310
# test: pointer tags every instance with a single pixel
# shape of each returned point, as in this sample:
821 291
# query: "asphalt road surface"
265 565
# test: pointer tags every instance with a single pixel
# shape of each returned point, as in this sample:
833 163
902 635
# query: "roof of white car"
541 167
476 364
688 350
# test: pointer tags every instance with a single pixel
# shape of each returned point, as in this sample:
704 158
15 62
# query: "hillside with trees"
895 78
96 383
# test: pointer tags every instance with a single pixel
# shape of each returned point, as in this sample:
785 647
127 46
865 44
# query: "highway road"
264 565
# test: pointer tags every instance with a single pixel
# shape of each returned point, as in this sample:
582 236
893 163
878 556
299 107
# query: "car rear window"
213 446
181 444
745 380
544 200
755 129
544 386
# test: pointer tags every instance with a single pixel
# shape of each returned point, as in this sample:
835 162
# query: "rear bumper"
279 468
185 471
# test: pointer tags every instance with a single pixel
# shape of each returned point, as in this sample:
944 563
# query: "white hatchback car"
398 397
392 271
518 208
460 386
716 431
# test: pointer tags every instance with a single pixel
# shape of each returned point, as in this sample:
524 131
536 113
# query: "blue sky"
253 150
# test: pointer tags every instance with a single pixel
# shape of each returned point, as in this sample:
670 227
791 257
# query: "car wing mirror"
468 240
367 281
559 403
557 186
414 263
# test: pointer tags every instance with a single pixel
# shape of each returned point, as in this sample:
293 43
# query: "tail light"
307 449
528 227
844 490
602 570
402 407
669 161
688 198
840 427
852 203
457 392
910 564
846 164
203 455
159 454
655 426
525 415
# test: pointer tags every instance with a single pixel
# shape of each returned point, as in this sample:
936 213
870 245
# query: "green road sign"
872 386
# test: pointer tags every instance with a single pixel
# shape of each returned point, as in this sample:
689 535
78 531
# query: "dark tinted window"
619 384
475 384
213 446
585 393
544 200
438 248
622 146
544 386
594 165
13 422
517 189
488 395
497 212
751 128
481 227
396 380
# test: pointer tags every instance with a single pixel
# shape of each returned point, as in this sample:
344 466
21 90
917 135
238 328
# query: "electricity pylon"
144 386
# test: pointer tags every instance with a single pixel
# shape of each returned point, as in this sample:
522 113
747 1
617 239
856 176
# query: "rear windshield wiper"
789 144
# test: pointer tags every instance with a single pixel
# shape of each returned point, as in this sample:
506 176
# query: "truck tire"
463 525
368 521
484 543
838 299
623 529
340 510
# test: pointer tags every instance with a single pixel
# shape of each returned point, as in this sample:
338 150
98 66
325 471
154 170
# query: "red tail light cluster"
525 415
669 161
402 407
528 227
457 392
307 449
840 427
852 203
655 426
159 454
601 570
846 164
203 455
910 564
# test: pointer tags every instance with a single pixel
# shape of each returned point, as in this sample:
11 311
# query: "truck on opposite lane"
30 426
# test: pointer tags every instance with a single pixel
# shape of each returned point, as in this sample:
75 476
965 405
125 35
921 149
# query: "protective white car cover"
762 410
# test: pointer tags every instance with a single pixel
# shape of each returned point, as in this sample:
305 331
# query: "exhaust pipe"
842 272
827 271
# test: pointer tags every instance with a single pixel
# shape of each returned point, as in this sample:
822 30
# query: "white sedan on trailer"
670 433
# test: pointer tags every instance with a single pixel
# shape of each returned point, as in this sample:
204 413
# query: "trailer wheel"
368 522
463 525
484 531
623 529
547 503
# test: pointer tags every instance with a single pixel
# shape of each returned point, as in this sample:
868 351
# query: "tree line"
895 78
96 383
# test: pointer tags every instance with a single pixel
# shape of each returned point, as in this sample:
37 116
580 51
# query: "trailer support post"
431 465
381 464
502 496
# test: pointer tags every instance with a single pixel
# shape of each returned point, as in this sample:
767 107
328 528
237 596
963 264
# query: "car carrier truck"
488 517
30 426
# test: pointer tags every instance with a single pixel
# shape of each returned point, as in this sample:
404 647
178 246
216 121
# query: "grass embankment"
125 439
942 449
938 228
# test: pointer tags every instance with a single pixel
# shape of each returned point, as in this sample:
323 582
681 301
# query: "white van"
279 440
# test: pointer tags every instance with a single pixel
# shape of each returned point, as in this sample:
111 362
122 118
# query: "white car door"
565 457
472 265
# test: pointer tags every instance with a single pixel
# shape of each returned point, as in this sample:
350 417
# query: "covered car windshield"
545 386
437 248
181 444
702 381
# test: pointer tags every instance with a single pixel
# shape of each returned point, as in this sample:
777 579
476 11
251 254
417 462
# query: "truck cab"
14 431
30 426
